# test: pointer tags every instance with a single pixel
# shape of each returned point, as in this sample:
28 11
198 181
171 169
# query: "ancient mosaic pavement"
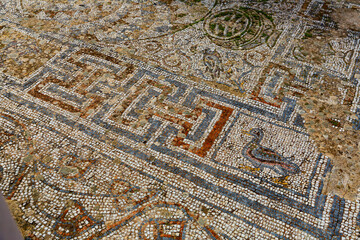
169 119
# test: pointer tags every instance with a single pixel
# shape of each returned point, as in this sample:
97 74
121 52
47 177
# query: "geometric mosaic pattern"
99 142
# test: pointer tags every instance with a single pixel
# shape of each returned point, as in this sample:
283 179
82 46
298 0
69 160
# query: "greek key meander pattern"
98 144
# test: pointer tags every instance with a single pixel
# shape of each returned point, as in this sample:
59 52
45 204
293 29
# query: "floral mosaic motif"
73 221
171 221
213 63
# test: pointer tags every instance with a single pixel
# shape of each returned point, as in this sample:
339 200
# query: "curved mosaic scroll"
14 145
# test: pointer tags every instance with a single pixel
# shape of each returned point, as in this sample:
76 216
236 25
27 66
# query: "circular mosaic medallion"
241 28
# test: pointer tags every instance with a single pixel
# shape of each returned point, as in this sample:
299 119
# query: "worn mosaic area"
172 119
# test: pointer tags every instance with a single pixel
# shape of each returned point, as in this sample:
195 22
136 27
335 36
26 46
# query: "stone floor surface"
178 119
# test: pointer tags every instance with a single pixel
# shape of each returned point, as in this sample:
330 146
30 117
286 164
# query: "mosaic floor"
169 120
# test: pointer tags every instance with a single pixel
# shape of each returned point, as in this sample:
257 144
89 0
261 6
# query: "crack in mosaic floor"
170 119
